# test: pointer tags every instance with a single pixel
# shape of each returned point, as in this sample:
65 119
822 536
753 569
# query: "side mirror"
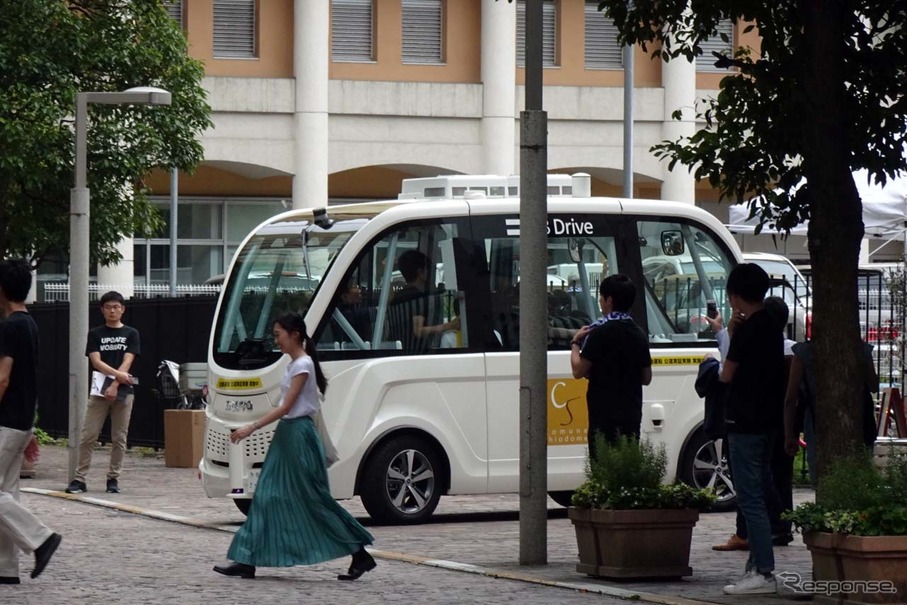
575 249
672 242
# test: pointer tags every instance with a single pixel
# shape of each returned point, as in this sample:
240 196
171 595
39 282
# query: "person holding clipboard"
111 349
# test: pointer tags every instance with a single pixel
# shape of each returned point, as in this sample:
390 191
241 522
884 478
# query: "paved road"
125 557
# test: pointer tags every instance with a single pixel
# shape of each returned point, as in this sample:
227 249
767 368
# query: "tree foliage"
49 51
822 96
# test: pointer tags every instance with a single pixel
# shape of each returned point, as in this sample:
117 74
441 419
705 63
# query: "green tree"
49 51
822 96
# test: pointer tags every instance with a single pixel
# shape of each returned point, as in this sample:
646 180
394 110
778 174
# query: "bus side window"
680 280
402 289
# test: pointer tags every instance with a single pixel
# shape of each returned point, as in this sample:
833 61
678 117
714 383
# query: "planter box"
634 543
845 559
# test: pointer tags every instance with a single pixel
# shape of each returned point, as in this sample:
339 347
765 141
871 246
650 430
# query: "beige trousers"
95 415
19 529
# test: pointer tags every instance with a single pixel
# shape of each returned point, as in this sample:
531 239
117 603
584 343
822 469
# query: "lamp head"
156 96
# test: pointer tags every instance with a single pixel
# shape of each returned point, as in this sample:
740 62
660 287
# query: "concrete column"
311 54
678 77
498 87
33 290
120 277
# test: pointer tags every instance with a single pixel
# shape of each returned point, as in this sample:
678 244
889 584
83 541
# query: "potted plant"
628 523
857 530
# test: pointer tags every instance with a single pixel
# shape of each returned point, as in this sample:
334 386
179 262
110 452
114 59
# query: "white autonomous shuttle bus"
414 419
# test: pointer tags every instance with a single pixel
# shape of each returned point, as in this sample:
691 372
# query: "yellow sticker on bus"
683 360
238 383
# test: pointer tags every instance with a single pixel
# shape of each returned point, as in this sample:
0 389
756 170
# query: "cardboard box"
184 437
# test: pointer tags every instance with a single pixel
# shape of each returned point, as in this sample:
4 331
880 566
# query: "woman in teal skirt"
293 519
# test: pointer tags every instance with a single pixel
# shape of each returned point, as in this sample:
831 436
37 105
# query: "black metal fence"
177 329
882 296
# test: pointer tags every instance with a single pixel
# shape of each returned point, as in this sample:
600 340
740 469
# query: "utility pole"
628 118
533 308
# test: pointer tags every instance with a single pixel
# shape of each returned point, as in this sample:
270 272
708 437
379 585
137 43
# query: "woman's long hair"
293 322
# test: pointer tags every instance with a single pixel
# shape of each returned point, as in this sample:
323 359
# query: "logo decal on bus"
239 383
238 405
568 416
555 226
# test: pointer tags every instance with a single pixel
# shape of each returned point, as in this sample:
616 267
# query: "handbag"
330 452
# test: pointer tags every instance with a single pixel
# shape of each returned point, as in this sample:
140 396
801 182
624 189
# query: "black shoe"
77 487
362 562
44 552
113 487
239 570
9 580
782 539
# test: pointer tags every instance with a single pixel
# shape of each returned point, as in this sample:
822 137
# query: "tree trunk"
835 231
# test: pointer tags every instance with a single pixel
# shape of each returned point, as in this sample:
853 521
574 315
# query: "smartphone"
711 309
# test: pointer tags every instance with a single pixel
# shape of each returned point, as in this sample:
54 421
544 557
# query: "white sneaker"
752 583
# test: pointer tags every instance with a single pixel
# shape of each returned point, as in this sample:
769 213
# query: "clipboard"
101 382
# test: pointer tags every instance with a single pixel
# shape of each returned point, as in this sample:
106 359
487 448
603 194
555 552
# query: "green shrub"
628 475
858 498
43 437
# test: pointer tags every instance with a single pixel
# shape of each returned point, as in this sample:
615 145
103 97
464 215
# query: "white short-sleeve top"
307 403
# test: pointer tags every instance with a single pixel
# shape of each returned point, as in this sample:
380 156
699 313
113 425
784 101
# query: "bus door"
399 332
582 248
684 266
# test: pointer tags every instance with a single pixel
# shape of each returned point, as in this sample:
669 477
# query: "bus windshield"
277 271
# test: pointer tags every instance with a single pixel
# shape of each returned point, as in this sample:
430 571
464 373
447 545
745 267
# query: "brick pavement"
478 534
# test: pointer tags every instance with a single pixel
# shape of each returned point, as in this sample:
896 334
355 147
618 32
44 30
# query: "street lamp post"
79 207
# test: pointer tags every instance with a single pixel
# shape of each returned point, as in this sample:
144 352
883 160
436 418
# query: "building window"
422 31
602 48
549 33
208 233
234 29
352 30
175 10
722 42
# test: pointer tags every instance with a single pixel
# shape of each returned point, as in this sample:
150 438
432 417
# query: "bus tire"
243 504
402 481
562 497
703 464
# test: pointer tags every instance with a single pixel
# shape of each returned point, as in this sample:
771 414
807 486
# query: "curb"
610 591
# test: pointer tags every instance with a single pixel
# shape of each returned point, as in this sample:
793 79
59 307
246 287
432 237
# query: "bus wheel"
563 497
705 464
402 481
243 505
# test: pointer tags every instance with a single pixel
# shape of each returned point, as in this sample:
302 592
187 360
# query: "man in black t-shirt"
19 529
755 370
111 349
613 353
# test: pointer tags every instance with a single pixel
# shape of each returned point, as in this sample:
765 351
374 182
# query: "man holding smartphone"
755 373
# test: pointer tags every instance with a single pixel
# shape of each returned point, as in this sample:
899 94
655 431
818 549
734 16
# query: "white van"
414 421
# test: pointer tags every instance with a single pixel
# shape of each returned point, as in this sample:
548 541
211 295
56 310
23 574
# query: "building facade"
318 102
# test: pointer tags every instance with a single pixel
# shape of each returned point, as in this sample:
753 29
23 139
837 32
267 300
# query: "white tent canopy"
884 209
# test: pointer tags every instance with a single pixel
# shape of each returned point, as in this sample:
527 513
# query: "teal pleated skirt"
293 519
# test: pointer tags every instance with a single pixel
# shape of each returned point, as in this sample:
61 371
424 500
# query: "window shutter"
175 10
422 31
234 28
706 61
549 33
351 30
602 49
